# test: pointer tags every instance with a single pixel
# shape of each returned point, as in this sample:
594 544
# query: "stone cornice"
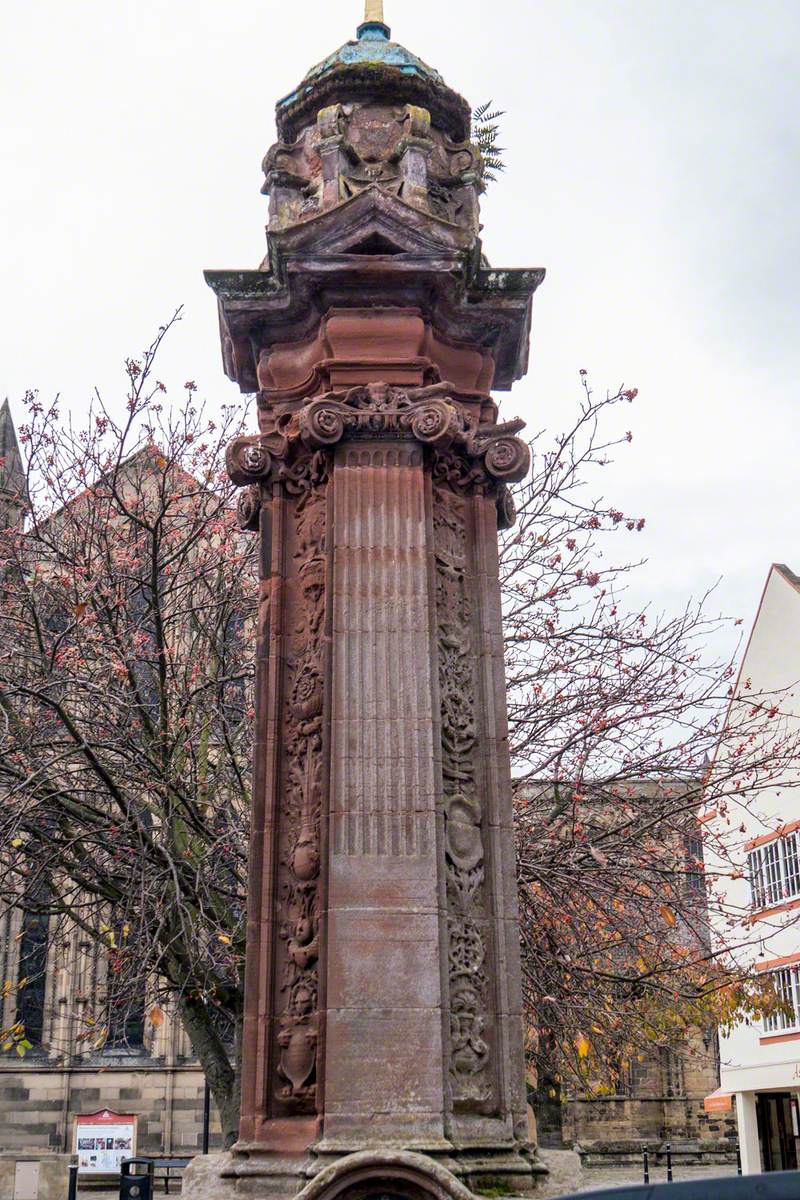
429 264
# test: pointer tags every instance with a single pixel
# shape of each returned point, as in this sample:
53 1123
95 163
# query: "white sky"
652 169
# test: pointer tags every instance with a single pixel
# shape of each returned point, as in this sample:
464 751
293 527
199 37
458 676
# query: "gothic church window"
125 1021
32 974
672 1073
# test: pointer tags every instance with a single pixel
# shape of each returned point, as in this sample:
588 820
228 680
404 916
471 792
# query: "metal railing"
669 1156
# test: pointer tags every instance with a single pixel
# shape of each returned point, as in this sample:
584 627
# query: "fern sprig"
485 132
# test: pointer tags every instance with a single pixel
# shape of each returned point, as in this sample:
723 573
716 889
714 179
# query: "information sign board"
102 1140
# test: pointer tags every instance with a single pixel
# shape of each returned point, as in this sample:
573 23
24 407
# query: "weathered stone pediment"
374 212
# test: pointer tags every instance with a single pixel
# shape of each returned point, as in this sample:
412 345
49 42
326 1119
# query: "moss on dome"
381 68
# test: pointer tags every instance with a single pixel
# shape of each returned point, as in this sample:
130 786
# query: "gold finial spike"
373 11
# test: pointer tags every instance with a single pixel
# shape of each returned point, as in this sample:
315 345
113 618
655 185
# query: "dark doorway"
778 1130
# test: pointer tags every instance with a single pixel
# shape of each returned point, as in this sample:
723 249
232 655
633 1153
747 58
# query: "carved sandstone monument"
383 1031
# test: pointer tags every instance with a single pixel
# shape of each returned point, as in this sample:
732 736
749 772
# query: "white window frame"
774 871
788 985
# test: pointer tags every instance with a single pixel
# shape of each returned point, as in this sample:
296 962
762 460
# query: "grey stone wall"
663 1103
38 1106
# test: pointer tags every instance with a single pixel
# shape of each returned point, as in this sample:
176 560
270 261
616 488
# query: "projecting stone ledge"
232 1176
375 248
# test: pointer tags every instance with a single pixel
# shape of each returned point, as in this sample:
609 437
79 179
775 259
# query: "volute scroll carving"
507 459
331 121
465 452
417 121
506 508
248 508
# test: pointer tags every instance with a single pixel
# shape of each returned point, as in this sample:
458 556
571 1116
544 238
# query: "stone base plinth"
440 1175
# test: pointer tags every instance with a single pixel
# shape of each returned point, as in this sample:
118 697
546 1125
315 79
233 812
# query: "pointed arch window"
32 974
126 1017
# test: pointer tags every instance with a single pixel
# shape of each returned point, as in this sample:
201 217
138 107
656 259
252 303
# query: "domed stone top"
373 64
373 46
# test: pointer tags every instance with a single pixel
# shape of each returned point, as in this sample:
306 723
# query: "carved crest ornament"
346 150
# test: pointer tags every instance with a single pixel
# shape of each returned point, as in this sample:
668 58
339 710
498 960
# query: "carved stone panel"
468 924
302 805
352 147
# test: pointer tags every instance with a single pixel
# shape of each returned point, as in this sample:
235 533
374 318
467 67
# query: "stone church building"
659 1100
657 1097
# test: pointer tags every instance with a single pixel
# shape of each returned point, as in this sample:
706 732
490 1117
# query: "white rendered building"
760 1061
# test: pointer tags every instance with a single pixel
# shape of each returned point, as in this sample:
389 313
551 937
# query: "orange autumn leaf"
668 914
157 1016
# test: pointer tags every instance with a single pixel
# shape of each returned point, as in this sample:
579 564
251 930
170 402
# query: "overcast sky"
652 169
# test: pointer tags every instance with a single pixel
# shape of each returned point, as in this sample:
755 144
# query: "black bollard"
738 1158
72 1190
669 1162
646 1167
206 1116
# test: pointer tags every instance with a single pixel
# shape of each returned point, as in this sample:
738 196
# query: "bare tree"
616 712
125 731
125 664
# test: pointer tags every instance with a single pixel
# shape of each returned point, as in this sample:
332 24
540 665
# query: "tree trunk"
222 1076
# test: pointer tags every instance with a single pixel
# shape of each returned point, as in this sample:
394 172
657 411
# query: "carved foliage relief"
303 791
467 925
